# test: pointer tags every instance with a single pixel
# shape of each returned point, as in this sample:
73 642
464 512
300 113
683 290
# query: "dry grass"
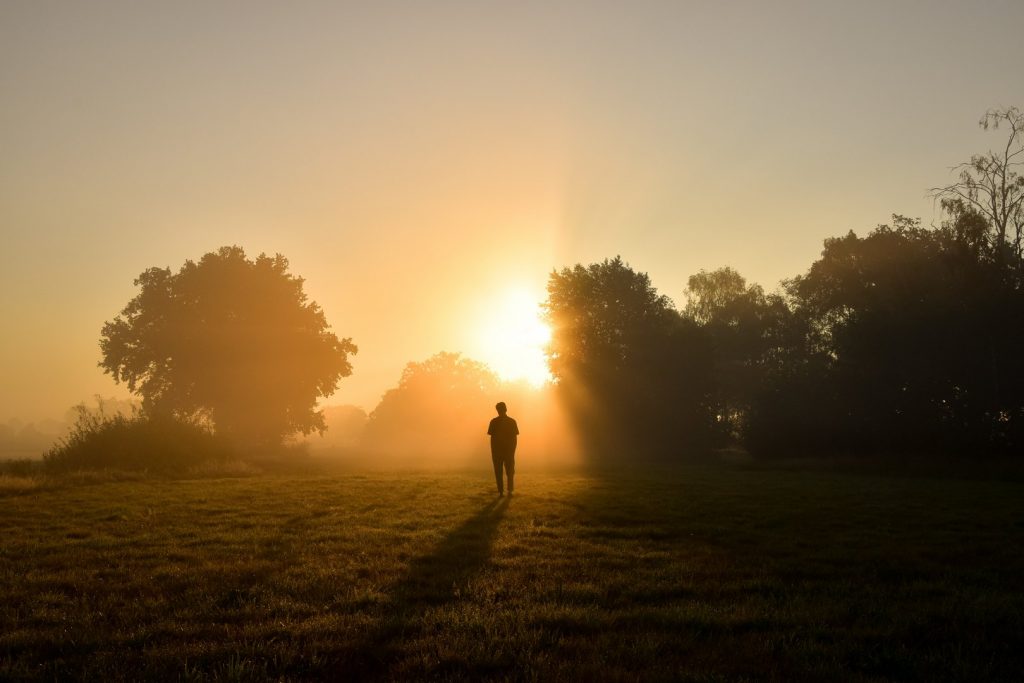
18 484
217 469
692 574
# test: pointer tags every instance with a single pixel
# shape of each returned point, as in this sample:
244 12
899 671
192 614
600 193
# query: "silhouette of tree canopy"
902 341
747 330
719 297
440 407
634 373
991 185
906 340
230 340
914 334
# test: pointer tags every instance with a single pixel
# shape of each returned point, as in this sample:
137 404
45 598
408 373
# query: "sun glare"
512 338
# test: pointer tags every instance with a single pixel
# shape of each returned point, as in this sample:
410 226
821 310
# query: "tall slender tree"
991 184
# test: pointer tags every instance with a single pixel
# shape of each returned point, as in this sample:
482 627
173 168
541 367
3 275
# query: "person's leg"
496 459
510 469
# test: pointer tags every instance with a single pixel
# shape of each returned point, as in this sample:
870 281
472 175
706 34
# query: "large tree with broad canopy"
229 340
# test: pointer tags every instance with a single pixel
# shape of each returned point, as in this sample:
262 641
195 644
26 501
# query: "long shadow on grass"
432 580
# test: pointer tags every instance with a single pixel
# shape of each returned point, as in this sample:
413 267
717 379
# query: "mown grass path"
692 574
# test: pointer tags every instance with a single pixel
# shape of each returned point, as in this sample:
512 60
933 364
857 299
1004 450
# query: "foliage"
140 441
992 186
230 340
921 328
633 371
903 341
440 406
748 332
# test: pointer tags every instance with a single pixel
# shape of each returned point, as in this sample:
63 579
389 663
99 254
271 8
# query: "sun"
512 337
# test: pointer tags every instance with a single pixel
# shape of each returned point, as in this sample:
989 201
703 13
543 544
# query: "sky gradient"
418 161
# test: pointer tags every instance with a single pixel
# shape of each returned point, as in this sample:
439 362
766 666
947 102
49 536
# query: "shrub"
134 442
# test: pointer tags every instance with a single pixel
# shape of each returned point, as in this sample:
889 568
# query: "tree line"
905 340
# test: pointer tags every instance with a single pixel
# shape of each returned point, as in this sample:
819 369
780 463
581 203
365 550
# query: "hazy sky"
414 159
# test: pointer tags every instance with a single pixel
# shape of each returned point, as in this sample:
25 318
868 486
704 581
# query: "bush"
134 442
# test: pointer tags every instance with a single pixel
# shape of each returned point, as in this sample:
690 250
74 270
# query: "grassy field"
707 573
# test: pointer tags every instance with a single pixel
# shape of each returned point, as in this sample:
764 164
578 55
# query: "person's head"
501 408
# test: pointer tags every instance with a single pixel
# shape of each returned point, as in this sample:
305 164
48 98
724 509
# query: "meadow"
703 573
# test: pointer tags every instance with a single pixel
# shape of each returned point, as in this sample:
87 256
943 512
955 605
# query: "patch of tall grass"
10 483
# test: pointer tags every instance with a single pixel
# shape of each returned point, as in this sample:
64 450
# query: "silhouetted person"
504 434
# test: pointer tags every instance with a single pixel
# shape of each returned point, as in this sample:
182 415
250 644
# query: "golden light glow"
512 337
